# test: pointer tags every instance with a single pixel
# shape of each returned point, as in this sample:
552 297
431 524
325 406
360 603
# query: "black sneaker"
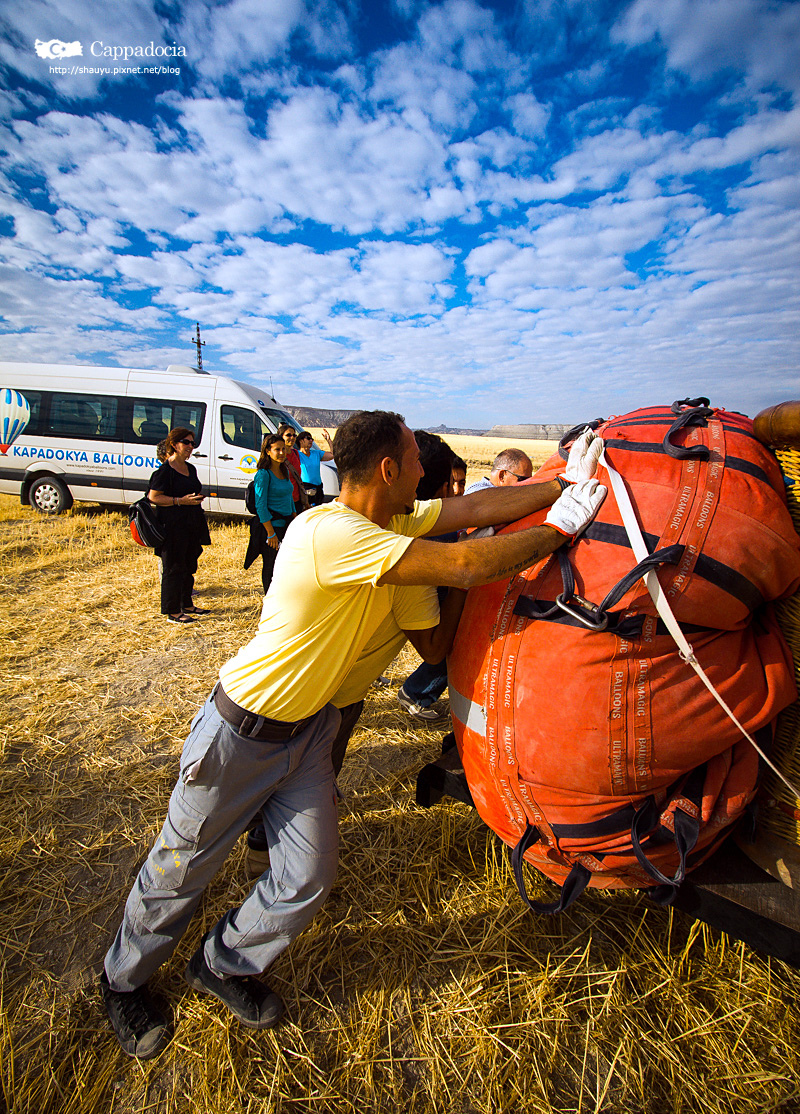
255 1005
257 859
140 1026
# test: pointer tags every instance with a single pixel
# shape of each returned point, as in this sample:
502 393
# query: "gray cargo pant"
225 778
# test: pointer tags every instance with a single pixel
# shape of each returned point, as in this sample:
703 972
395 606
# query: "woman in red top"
289 434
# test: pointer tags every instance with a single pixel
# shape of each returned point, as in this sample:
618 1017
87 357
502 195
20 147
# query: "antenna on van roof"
271 389
200 344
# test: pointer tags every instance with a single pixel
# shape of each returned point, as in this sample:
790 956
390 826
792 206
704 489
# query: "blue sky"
472 212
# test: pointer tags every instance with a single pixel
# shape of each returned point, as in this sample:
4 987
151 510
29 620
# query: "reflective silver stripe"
467 712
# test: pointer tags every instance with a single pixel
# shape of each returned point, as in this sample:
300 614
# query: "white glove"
576 507
583 457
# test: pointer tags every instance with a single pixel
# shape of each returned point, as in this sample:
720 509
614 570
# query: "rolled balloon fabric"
779 425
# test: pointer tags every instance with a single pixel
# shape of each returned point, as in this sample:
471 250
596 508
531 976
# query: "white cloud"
409 78
398 278
759 38
529 116
464 32
237 36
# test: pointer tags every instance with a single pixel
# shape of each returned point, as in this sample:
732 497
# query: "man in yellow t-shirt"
263 737
414 615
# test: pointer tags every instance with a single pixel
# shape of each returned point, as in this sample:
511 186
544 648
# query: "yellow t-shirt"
322 608
414 607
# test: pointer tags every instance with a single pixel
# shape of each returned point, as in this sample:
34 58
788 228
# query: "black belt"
252 726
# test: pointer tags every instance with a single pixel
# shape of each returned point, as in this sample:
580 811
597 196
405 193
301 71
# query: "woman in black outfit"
176 491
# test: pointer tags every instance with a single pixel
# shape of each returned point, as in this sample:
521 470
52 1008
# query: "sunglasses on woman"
185 441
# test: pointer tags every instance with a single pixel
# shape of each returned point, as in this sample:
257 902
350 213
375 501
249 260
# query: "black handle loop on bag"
576 430
680 404
575 883
685 834
693 416
670 555
591 615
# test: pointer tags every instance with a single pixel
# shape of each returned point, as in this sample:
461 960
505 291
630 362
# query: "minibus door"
238 434
150 421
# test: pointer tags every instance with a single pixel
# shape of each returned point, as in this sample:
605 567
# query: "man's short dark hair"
459 465
363 440
510 459
436 457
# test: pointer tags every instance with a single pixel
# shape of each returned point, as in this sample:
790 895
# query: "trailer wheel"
49 495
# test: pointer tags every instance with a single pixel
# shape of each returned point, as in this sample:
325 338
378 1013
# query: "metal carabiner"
590 610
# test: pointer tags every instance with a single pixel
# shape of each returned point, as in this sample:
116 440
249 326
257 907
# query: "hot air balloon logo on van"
15 413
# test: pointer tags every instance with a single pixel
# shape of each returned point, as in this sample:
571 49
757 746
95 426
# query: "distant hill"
550 431
310 416
315 418
443 429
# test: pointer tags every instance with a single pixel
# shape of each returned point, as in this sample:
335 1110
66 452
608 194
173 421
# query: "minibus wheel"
49 495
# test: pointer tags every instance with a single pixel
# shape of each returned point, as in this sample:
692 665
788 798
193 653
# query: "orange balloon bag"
589 745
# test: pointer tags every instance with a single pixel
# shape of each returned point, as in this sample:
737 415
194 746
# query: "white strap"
665 611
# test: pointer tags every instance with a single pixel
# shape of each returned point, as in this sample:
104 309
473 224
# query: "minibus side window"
91 417
153 419
190 415
242 428
37 400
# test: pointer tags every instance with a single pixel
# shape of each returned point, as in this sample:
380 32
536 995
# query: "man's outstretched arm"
508 504
495 505
472 562
482 560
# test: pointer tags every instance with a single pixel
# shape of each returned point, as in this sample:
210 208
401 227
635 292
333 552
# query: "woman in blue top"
309 465
274 506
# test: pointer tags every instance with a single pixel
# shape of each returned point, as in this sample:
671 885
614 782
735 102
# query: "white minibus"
90 433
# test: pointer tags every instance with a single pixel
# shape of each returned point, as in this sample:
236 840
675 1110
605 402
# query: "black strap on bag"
595 617
669 555
579 611
645 826
571 434
686 831
575 883
691 412
680 404
146 528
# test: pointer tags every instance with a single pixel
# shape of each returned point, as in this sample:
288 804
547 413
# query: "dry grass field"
423 985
